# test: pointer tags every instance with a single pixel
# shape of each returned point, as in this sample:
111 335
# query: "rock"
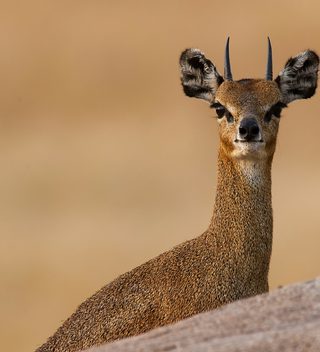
287 319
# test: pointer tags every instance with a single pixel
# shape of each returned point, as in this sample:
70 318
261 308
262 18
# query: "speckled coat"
227 262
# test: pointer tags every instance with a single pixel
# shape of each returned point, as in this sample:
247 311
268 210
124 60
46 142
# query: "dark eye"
222 111
275 110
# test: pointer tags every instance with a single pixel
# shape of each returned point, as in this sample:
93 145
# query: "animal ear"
199 77
298 79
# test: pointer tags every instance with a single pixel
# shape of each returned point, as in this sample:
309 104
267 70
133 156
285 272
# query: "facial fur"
248 99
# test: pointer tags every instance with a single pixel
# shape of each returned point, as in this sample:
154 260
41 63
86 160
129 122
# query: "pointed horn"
269 64
227 66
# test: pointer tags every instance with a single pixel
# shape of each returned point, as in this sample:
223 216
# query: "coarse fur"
231 259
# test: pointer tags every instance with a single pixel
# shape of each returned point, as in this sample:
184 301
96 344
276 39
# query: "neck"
242 215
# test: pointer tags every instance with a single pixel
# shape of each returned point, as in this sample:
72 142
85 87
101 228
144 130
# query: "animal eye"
222 111
275 110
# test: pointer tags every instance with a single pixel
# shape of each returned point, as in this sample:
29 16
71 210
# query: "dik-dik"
231 259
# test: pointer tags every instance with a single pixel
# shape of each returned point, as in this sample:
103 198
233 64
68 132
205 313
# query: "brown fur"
227 262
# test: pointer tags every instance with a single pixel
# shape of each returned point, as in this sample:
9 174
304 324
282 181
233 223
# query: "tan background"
105 163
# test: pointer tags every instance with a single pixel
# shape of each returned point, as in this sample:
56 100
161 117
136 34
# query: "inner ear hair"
298 79
199 76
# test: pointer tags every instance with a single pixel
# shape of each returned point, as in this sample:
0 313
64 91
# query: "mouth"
250 141
249 148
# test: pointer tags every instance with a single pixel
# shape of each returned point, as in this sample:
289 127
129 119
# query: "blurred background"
105 163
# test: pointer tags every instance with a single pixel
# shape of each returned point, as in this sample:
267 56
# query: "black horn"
227 66
269 64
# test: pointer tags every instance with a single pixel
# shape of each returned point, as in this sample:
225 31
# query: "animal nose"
248 129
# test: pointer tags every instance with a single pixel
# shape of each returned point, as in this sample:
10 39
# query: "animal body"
230 260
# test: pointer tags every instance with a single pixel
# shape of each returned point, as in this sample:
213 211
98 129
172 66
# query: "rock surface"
287 319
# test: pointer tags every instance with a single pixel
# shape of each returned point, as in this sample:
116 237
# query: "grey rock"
287 319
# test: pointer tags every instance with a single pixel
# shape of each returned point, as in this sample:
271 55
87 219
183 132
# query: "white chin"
254 150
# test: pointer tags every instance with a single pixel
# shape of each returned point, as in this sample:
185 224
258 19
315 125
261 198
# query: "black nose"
248 129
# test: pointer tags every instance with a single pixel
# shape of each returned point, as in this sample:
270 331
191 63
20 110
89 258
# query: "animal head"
248 110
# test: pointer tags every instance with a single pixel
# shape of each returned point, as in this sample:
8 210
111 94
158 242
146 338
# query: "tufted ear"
199 77
298 79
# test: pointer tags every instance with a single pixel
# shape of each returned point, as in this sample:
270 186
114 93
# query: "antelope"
230 260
